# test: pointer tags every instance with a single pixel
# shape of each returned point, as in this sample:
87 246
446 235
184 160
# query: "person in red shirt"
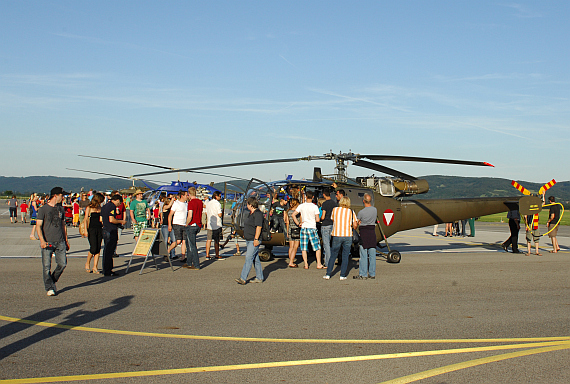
194 225
24 211
75 207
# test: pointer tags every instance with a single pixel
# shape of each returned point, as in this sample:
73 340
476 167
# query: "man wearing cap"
139 212
111 232
50 224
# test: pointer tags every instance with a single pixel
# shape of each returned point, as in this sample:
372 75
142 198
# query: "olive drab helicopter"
394 213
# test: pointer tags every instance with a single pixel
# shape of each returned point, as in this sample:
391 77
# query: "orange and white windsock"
521 189
546 186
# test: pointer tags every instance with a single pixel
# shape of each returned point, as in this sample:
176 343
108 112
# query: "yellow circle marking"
274 340
473 363
551 345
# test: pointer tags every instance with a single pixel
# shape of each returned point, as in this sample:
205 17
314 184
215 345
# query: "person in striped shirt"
344 221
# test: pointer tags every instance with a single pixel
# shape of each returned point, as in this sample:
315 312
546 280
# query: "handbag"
355 236
83 228
296 232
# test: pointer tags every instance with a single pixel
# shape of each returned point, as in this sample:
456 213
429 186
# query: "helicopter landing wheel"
393 257
264 255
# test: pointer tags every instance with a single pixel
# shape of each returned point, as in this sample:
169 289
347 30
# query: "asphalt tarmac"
455 310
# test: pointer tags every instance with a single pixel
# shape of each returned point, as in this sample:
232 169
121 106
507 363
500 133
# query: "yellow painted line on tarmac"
473 363
220 368
275 340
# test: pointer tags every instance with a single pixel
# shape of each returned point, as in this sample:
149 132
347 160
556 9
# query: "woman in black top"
165 211
94 226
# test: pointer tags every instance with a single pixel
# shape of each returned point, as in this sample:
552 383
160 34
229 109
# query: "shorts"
309 235
75 218
214 234
533 235
179 231
554 231
138 226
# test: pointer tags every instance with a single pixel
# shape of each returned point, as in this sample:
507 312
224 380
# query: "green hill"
445 187
23 186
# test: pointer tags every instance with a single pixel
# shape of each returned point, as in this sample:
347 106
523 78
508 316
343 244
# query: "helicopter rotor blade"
425 160
101 173
383 169
194 169
111 174
125 161
172 170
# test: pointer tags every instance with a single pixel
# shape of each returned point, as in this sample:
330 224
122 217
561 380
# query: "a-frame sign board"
150 243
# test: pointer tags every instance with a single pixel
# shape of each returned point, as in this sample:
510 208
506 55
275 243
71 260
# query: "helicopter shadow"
446 247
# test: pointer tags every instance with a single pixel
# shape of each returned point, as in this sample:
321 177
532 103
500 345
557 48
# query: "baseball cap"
58 191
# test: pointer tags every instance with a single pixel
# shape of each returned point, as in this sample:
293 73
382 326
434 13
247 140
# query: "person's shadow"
78 318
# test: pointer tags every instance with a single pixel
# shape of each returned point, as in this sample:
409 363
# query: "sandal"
87 270
293 266
95 272
322 267
306 267
538 254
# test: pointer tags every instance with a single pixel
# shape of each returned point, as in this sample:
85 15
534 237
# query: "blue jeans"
252 257
60 258
191 248
326 231
165 235
367 263
337 243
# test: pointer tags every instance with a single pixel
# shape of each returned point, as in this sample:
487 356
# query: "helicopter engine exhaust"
412 187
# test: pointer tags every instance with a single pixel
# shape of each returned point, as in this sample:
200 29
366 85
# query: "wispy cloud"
359 99
493 76
523 11
97 40
287 61
49 80
487 128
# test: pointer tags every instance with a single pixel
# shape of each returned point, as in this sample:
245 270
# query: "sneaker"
237 254
51 292
326 277
359 277
256 280
241 281
372 277
343 277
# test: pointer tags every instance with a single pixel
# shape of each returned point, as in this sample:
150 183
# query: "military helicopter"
395 214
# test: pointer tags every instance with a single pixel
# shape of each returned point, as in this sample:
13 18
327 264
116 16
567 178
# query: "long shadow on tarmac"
78 318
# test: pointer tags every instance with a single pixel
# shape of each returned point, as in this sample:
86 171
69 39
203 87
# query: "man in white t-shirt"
214 224
309 218
177 219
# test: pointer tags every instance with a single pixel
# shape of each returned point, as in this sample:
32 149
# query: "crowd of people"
323 222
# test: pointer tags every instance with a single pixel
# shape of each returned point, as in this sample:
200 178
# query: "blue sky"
186 83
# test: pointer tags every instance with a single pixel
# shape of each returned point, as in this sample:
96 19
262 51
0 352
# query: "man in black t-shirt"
50 224
553 217
326 223
110 232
